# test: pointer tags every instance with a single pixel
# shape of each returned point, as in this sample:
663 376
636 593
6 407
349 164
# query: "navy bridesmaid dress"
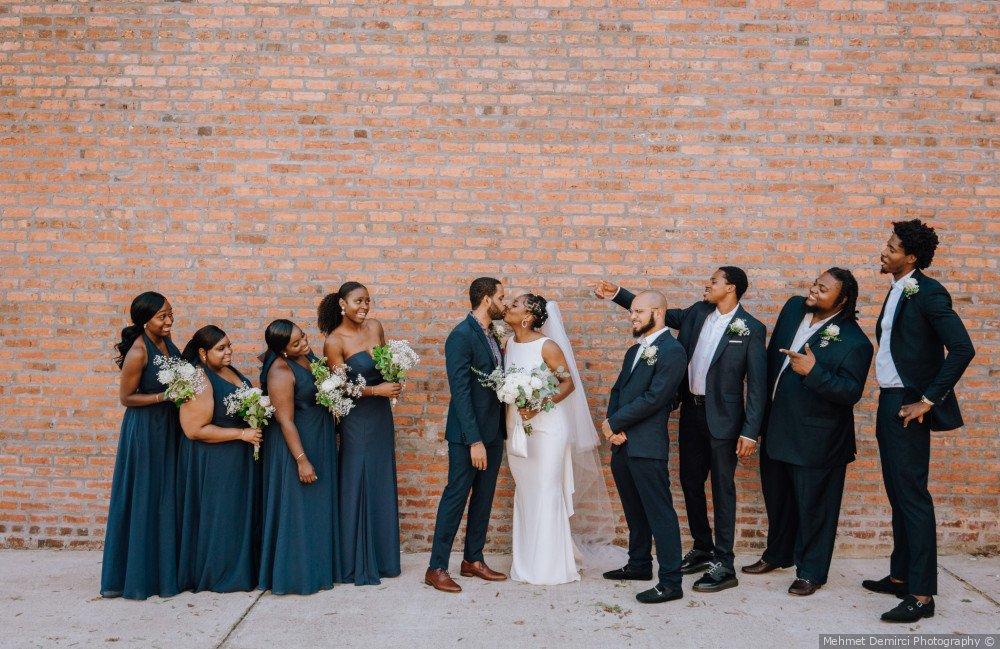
218 500
140 540
369 523
299 539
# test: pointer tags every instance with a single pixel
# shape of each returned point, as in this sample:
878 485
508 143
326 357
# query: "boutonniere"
738 327
649 354
499 331
910 287
830 335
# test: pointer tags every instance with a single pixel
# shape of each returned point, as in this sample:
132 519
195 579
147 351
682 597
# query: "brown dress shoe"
803 587
481 570
759 568
441 580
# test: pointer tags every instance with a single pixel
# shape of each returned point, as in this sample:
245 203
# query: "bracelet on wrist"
300 456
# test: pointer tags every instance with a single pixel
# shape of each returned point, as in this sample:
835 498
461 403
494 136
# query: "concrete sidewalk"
49 599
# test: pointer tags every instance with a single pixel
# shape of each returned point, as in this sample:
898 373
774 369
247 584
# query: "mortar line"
970 586
240 620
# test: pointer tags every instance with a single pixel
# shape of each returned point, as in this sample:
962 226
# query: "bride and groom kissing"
562 511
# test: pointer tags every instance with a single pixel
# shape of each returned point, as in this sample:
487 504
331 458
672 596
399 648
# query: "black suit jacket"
641 399
474 414
924 327
810 420
737 360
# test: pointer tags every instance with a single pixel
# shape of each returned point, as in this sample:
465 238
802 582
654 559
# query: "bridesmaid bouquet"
251 406
532 388
394 360
182 380
334 389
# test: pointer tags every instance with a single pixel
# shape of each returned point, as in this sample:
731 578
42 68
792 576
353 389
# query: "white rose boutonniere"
738 327
500 331
910 287
649 354
830 335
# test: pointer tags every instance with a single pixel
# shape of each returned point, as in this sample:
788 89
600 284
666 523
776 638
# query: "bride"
557 519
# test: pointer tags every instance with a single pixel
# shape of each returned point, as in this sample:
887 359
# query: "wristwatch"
924 399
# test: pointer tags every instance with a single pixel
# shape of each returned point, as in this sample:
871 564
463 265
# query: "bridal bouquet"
531 388
394 360
335 391
251 406
182 380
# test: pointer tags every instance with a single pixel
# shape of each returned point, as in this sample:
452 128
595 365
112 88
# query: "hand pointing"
801 363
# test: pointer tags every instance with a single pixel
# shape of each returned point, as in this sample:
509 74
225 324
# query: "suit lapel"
627 372
817 335
699 324
474 324
724 341
901 305
881 314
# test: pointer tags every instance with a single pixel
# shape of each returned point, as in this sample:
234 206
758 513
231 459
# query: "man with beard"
475 432
817 362
638 410
725 350
916 396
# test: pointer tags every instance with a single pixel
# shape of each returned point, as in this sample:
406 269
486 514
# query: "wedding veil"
592 524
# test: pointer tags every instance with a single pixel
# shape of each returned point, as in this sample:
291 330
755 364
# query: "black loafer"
886 586
717 578
630 573
909 610
696 561
659 594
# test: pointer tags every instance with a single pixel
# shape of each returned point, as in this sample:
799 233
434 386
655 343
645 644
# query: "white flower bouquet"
523 388
394 359
182 380
335 391
250 405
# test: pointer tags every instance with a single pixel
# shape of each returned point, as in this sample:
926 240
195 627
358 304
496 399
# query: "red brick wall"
244 158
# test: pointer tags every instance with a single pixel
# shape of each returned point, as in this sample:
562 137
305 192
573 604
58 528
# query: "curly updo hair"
535 305
918 239
329 314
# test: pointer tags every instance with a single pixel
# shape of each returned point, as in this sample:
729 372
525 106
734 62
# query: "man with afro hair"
916 378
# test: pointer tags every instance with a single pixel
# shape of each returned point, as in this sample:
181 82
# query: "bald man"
638 410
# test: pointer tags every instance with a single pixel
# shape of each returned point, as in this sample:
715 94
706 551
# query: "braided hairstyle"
535 305
848 291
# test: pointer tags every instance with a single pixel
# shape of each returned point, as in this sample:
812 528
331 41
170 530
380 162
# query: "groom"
640 405
475 434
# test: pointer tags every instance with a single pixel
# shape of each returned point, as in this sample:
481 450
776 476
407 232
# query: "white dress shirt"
708 340
644 343
804 333
885 369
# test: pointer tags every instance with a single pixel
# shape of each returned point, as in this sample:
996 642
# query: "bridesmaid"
140 542
217 478
369 513
300 538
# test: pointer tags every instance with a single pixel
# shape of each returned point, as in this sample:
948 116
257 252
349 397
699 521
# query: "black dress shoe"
659 594
760 567
717 578
885 585
696 561
803 587
909 610
628 572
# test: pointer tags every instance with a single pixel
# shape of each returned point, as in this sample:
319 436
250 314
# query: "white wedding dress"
543 486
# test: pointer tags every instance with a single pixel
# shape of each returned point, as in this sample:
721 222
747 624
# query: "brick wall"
246 157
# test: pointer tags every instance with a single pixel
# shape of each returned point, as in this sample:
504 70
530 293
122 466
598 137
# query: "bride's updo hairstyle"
535 305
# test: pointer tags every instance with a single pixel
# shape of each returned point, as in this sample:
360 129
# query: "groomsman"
718 424
817 362
638 410
916 396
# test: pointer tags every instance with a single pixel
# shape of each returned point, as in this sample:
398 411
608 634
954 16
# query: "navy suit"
474 415
640 405
923 327
809 440
708 431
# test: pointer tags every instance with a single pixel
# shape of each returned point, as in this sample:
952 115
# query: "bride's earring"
524 323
